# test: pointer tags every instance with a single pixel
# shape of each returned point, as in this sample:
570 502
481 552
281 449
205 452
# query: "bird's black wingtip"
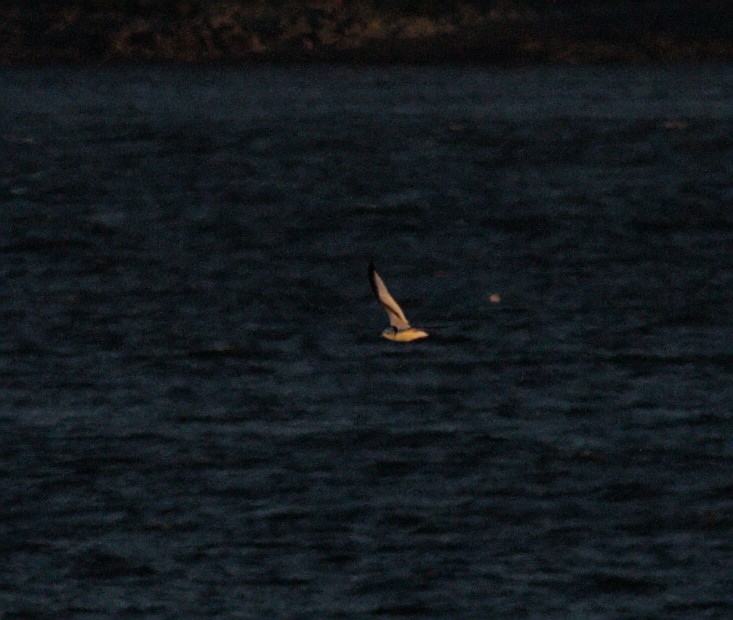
372 271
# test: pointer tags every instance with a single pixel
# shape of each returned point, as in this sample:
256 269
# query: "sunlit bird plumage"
400 329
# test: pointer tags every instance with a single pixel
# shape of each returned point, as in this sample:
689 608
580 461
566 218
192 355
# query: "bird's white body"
400 329
403 335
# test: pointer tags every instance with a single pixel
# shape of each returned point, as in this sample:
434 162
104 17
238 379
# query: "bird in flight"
399 330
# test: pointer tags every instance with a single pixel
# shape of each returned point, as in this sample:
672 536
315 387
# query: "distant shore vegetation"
366 30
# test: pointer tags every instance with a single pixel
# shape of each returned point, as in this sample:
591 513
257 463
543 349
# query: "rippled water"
199 418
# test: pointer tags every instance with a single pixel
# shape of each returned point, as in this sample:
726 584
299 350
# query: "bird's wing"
394 312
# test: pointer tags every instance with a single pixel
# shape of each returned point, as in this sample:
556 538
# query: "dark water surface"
199 418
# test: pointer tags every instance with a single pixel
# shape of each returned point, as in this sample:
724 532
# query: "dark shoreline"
234 32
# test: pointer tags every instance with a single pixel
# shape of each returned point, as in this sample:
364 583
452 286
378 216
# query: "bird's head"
389 332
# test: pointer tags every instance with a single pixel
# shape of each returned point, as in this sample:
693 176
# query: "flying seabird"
399 330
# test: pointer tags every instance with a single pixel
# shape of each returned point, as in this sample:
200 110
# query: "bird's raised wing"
394 312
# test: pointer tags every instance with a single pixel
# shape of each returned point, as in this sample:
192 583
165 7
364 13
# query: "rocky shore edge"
504 31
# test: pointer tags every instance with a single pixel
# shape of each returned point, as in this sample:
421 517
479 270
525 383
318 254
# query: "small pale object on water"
494 298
